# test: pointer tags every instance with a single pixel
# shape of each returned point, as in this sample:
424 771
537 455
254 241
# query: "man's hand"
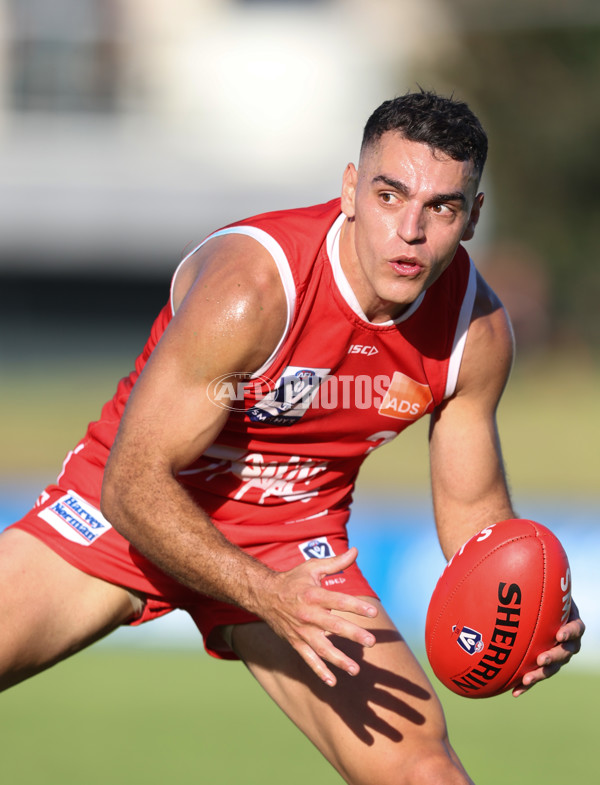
568 639
299 610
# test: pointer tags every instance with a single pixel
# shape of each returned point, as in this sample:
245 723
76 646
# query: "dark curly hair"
443 124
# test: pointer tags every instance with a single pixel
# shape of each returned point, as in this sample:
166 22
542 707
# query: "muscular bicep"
228 322
467 472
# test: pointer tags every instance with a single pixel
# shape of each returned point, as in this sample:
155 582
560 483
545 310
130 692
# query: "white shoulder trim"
283 266
462 328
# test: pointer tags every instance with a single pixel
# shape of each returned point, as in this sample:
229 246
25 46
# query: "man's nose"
411 226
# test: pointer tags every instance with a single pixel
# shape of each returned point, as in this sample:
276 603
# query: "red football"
496 606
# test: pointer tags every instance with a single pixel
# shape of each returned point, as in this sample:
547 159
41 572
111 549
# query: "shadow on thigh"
381 726
390 697
379 699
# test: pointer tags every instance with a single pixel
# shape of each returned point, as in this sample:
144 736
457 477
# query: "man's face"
408 209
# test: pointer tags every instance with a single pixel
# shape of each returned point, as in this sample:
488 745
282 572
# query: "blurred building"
131 128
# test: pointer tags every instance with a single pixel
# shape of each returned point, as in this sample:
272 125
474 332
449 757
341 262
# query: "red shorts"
78 532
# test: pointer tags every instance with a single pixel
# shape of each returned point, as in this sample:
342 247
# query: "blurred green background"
129 130
120 717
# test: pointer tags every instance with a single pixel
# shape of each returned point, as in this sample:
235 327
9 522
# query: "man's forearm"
180 538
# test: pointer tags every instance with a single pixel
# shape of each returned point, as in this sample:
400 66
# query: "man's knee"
435 767
431 768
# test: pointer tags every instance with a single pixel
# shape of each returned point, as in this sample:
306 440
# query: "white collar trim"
333 251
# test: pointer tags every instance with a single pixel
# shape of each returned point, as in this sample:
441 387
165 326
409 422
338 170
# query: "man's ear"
473 218
349 182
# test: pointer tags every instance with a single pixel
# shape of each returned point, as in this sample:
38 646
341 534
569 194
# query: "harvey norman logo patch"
76 519
405 399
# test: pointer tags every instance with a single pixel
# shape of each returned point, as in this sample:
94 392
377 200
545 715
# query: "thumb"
335 564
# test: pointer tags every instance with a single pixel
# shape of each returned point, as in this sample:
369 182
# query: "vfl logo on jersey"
316 549
469 640
76 519
291 397
405 399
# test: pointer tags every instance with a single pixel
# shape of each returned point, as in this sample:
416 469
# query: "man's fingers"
531 678
350 604
337 600
551 661
333 564
316 663
306 614
343 628
568 640
318 650
560 654
573 629
313 641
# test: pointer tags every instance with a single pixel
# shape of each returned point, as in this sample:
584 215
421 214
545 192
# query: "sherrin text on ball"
497 605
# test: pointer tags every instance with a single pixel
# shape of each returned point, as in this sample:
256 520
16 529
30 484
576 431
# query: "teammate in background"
183 495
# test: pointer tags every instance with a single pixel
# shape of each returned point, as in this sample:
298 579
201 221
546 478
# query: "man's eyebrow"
453 196
398 185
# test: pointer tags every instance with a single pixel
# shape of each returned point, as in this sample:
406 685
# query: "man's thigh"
370 726
50 609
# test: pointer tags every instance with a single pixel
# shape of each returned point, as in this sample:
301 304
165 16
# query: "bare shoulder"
233 260
489 350
229 317
232 289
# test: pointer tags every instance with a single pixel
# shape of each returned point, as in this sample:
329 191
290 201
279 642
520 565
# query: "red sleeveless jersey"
336 387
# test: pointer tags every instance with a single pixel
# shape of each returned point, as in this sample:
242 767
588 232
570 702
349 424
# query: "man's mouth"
406 267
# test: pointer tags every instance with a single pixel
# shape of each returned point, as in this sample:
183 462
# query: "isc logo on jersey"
295 389
405 399
360 348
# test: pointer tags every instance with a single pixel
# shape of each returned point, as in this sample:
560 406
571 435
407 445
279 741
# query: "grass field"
124 716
